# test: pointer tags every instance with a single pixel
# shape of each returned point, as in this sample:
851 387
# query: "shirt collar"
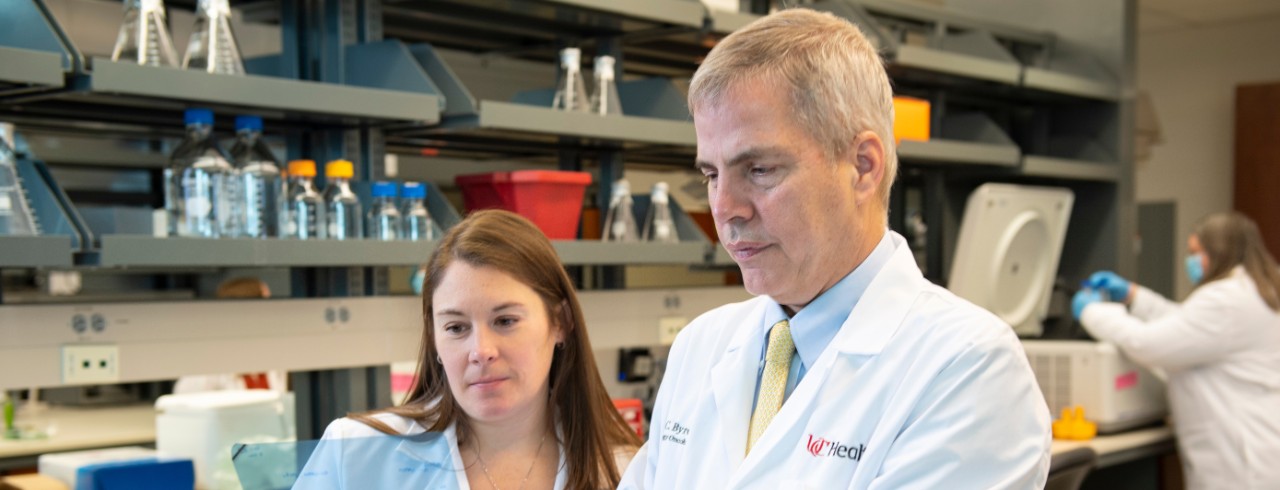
818 322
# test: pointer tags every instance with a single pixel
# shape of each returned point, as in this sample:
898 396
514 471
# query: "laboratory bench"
80 428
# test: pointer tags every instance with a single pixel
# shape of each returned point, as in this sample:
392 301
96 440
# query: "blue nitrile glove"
1083 298
1115 286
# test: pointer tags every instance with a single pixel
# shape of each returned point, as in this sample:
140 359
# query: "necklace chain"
533 463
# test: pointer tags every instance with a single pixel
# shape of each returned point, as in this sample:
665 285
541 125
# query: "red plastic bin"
550 199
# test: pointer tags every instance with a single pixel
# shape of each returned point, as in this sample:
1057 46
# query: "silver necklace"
533 463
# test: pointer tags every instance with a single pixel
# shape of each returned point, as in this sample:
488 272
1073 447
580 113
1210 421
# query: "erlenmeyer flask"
571 92
144 36
605 101
619 222
213 47
659 225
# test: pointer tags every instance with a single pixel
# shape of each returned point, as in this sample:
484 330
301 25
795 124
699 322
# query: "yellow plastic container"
910 119
1072 426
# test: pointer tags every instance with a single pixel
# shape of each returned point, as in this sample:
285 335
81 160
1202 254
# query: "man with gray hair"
849 369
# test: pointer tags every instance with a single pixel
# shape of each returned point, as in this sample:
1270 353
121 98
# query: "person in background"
850 370
1220 350
236 288
507 393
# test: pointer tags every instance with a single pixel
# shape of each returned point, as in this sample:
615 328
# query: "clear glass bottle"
571 92
213 47
257 190
304 211
620 222
384 217
418 225
15 212
342 206
659 226
605 101
144 35
198 181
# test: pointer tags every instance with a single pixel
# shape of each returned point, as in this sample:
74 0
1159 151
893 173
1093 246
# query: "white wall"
1192 75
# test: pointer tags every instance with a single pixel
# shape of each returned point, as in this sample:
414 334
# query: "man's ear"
869 161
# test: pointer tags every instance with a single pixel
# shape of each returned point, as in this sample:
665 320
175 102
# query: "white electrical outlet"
90 364
668 327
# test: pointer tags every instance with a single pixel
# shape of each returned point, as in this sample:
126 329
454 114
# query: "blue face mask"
1195 269
415 281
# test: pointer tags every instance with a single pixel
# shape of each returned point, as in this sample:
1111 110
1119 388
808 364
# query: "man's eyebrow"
750 154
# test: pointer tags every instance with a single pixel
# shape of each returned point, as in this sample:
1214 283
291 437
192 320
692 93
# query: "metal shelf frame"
35 251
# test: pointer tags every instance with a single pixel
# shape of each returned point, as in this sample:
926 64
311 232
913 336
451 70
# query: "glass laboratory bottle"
605 101
213 47
659 226
619 222
304 211
418 225
257 190
15 212
342 206
144 35
571 92
384 216
198 181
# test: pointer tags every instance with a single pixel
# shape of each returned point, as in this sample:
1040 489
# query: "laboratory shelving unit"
1032 92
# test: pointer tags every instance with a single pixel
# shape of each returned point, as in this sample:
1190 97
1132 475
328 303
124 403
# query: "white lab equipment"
1115 392
659 226
213 47
205 426
620 220
1007 253
605 100
144 35
571 91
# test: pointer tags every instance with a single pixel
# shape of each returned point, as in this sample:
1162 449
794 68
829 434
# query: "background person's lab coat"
1221 351
919 389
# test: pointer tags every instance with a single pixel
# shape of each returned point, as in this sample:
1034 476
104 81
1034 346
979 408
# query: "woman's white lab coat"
919 389
352 455
1221 351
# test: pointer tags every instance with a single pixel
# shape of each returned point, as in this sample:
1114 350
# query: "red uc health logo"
822 447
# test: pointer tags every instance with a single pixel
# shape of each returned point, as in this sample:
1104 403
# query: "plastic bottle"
659 226
15 212
257 189
605 101
198 182
213 47
619 222
418 225
342 206
384 217
571 92
144 35
304 211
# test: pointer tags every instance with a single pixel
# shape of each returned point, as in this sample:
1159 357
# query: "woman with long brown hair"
1220 349
507 393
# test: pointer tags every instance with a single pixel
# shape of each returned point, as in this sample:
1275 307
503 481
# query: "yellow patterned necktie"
773 383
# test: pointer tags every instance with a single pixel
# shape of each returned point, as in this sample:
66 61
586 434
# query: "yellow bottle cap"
343 169
302 168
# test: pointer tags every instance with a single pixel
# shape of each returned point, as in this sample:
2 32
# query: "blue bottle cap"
198 116
248 122
414 190
384 189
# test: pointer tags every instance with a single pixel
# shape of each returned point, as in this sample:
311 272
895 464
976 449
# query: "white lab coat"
1221 351
919 389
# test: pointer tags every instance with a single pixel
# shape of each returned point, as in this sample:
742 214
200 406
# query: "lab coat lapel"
870 325
733 383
